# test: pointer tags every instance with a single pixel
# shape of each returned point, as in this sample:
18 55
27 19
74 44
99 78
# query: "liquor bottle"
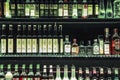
29 41
55 40
44 51
38 73
101 44
101 73
1 12
60 39
44 75
51 9
7 12
10 40
24 40
115 74
55 5
34 40
115 42
46 5
27 8
75 47
9 75
116 8
58 76
37 9
2 74
40 39
74 9
107 42
42 7
60 8
70 8
3 40
80 74
95 47
109 9
84 9
51 76
30 73
19 40
67 45
23 75
90 8
109 74
13 8
16 73
65 77
94 74
101 9
73 73
89 49
96 8
80 6
82 49
65 9
32 9
87 73
50 40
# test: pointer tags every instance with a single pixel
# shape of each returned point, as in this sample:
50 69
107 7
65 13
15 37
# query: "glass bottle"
55 7
101 73
58 76
74 9
73 73
13 8
46 9
23 75
30 73
9 75
75 47
109 9
51 9
96 8
51 76
89 49
90 9
116 6
80 7
65 77
7 12
115 42
85 9
82 48
60 8
87 73
2 74
42 7
80 74
32 9
65 9
94 74
16 73
101 9
101 44
109 74
27 8
116 73
36 8
95 47
38 73
44 75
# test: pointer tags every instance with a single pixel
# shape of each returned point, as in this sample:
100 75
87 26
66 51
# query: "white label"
40 45
34 45
24 46
45 45
60 12
67 48
106 49
96 49
32 13
61 45
19 46
27 11
55 46
49 45
3 45
65 12
85 11
75 13
29 45
74 49
10 45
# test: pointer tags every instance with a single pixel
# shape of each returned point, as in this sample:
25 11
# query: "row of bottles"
60 9
58 73
48 39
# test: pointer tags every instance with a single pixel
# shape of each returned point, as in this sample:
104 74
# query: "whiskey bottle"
2 74
90 9
10 40
9 75
36 8
89 48
101 9
115 42
50 40
51 9
73 73
101 44
23 75
34 40
7 12
67 45
75 47
19 40
29 41
44 75
65 9
51 76
65 77
107 42
75 9
16 73
46 9
32 9
60 39
96 8
80 74
84 9
58 76
24 40
109 9
82 48
80 6
30 73
95 47
55 5
116 7
38 73
42 7
13 8
55 40
27 8
60 9
3 40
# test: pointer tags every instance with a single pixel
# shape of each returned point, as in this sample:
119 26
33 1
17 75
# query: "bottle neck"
102 4
65 73
58 73
73 73
109 5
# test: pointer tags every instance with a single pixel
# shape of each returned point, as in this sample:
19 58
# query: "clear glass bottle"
65 9
65 77
30 73
2 74
58 75
16 74
27 8
32 9
23 75
101 9
74 9
51 75
109 9
95 47
60 9
90 9
38 73
89 48
44 75
80 74
7 12
84 9
73 73
9 75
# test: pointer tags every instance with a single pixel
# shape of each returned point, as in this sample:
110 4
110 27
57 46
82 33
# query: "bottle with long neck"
42 7
116 6
101 73
13 8
51 76
55 7
38 73
116 73
101 9
9 75
65 7
7 12
27 8
23 75
96 8
109 9
30 73
16 73
32 9
74 9
60 9
44 75
65 77
80 74
90 9
73 73
85 9
58 76
2 74
46 9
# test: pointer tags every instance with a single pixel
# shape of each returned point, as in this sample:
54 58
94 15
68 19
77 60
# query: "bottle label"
3 45
96 49
27 10
15 78
101 44
96 9
12 6
116 45
32 11
90 9
85 10
24 46
60 12
106 49
75 50
75 13
67 48
30 79
65 10
19 48
10 46
40 45
34 45
61 45
45 45
55 46
50 45
29 45
37 78
2 78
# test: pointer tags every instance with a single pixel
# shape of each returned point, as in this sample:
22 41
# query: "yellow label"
24 46
55 46
10 45
19 46
29 45
49 45
3 45
40 45
45 45
34 45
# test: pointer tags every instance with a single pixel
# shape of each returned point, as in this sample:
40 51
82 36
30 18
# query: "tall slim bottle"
65 9
9 75
30 73
116 6
80 74
32 9
2 74
65 77
27 8
90 9
46 9
13 8
50 76
42 7
7 12
23 75
96 8
80 6
51 9
101 9
16 74
58 76
55 5
84 9
36 8
75 9
60 9
44 75
109 9
38 73
73 73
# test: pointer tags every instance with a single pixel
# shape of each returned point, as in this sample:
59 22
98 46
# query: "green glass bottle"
109 9
74 9
101 9
27 8
7 12
116 7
